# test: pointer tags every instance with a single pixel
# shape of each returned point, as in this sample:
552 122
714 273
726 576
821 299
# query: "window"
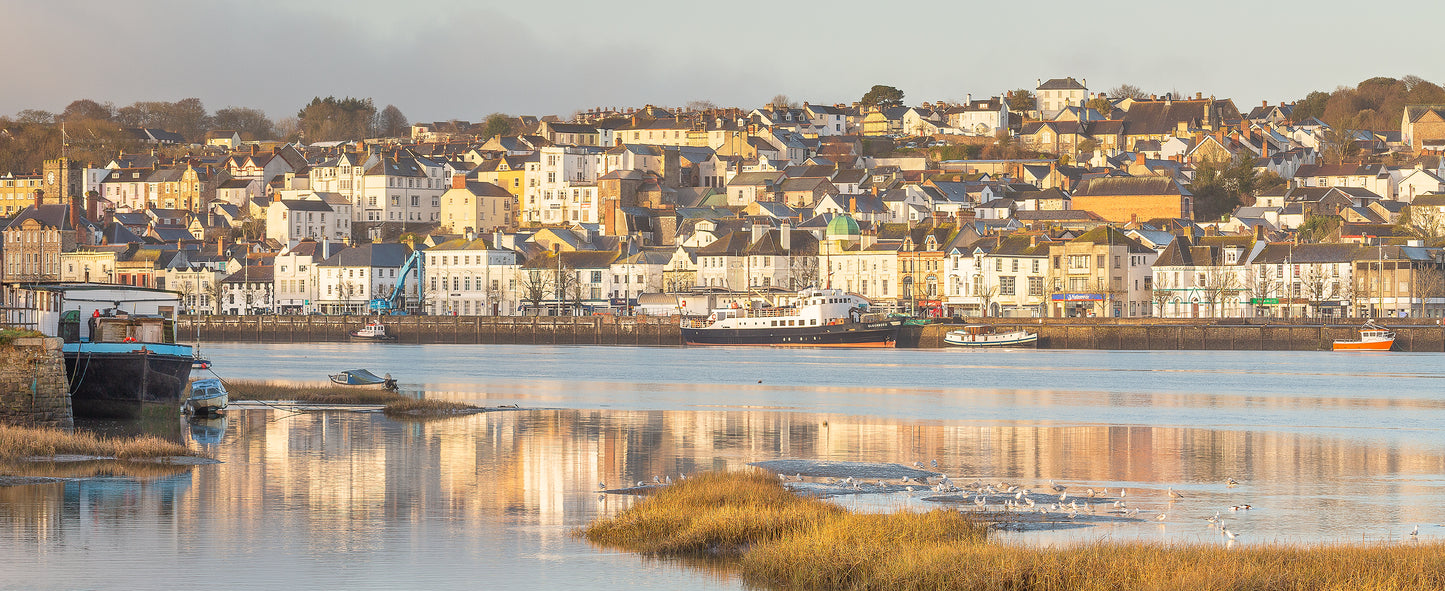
1036 286
1006 285
1015 265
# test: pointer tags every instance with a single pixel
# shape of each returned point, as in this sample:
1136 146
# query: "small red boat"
1373 337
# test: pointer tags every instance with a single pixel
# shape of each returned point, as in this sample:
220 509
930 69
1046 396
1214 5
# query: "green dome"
842 225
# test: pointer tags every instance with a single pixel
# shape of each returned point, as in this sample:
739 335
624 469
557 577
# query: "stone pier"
33 386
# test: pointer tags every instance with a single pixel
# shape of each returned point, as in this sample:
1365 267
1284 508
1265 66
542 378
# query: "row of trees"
1375 104
1315 287
333 119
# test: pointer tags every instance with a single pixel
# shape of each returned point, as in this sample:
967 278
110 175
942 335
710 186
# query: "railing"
21 317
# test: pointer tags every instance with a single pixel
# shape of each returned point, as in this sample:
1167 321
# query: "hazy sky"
464 59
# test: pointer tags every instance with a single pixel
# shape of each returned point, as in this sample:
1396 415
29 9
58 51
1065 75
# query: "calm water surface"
1328 448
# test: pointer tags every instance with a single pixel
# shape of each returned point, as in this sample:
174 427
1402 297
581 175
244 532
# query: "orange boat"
1373 337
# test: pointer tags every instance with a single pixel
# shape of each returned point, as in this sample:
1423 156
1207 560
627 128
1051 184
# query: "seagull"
934 462
1224 529
1057 487
1231 482
917 464
1174 495
979 500
1123 492
1415 533
657 480
668 480
1162 516
641 483
601 485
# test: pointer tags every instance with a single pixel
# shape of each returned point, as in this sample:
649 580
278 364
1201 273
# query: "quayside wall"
33 386
1054 333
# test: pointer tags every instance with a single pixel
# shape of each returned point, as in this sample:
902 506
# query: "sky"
455 59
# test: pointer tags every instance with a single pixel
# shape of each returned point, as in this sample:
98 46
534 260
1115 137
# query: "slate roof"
1062 84
368 255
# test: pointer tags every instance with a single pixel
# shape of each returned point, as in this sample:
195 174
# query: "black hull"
117 385
874 334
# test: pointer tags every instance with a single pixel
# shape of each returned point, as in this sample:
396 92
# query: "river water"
1327 448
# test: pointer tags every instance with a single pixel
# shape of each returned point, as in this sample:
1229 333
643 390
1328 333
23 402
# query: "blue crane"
391 304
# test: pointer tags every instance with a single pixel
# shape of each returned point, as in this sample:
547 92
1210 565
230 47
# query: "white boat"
1373 337
983 335
818 318
373 331
208 397
362 378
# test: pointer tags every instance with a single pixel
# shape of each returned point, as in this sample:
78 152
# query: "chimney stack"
39 198
785 236
220 247
1139 158
757 231
459 181
75 218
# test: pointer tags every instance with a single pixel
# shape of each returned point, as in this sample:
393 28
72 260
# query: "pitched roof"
1123 185
1062 84
368 255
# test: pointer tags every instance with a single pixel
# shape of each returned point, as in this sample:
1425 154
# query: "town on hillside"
1058 201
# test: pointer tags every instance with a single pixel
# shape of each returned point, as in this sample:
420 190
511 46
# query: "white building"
471 278
304 215
352 277
562 187
296 275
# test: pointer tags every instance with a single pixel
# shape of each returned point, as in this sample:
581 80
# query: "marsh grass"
393 404
326 394
780 540
92 469
17 443
423 408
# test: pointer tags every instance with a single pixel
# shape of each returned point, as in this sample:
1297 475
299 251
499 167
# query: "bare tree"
781 102
1262 285
1160 293
216 290
1127 91
1360 290
1427 221
1114 294
1428 284
1219 283
1318 288
536 286
986 294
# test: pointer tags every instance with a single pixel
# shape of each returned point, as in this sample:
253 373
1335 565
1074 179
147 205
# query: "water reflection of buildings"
348 480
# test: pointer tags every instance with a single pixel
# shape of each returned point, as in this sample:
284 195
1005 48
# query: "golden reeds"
327 394
417 408
27 442
778 539
395 405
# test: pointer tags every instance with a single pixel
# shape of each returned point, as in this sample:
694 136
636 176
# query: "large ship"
120 347
818 318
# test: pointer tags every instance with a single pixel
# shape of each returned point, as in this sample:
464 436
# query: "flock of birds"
1051 501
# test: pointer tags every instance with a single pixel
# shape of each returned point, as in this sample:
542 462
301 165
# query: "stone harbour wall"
33 386
1054 333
